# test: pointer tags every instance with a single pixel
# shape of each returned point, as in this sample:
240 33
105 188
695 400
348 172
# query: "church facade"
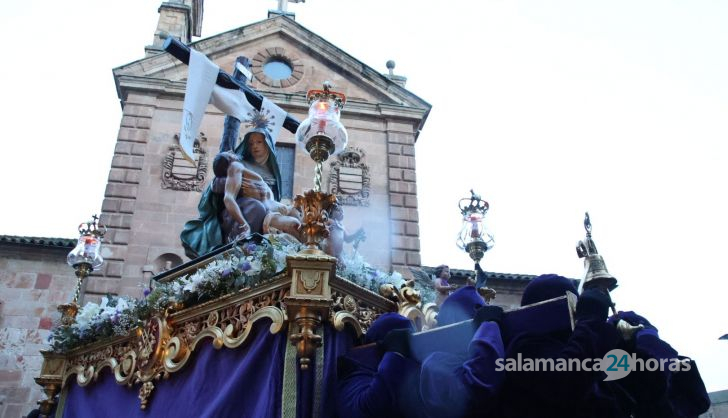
152 191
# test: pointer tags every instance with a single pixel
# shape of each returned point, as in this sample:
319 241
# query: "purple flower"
251 247
147 291
226 272
244 266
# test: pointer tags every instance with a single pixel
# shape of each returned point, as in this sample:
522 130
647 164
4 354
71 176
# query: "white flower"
255 267
86 315
122 305
396 278
280 258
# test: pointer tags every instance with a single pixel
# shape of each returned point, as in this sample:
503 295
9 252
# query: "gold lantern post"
320 135
474 237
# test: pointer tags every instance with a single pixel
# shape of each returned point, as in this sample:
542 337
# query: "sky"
547 109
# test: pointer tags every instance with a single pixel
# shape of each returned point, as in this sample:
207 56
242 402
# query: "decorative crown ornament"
92 227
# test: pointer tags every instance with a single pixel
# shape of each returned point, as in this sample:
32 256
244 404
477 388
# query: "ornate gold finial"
315 208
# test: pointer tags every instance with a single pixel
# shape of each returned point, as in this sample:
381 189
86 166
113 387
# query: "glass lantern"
321 134
87 251
88 248
474 238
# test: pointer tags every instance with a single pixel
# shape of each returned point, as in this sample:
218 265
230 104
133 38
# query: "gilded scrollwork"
144 392
409 305
347 309
229 326
164 344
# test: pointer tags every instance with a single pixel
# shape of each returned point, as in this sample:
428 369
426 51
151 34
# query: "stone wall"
34 280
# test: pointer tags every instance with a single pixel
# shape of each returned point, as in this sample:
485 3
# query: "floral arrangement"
247 265
353 268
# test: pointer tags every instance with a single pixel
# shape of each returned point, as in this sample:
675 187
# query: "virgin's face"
258 147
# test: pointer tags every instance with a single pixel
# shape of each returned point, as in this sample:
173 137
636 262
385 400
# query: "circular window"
277 69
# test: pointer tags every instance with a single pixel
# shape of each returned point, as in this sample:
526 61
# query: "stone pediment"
311 58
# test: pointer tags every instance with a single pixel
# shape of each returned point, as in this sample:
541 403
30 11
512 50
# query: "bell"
597 276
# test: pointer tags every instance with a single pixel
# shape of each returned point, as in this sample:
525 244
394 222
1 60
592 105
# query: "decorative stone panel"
180 174
349 179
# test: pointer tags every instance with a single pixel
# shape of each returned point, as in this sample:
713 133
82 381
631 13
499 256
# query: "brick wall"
33 282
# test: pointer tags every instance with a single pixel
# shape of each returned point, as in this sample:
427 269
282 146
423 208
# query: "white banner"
231 102
200 81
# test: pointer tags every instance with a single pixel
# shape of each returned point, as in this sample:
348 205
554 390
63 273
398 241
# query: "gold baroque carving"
348 309
409 305
144 392
343 318
165 343
310 279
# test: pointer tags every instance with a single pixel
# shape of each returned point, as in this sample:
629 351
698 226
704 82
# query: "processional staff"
597 276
